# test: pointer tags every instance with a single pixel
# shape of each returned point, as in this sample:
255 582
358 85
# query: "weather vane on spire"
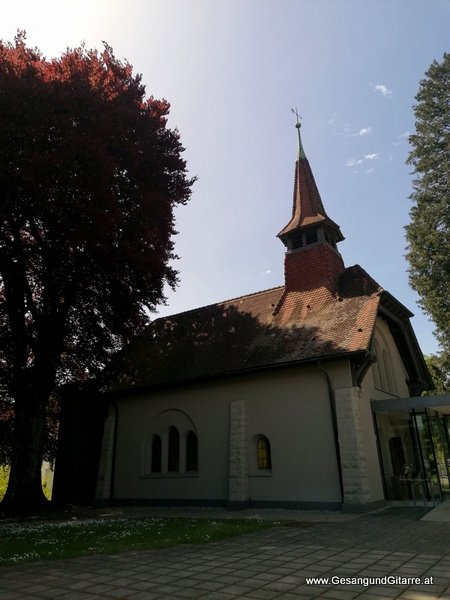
295 112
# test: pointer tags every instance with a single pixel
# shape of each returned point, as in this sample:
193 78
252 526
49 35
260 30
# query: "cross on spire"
295 112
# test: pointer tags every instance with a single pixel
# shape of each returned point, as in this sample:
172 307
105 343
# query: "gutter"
141 388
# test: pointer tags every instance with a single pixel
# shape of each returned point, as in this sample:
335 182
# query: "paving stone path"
268 564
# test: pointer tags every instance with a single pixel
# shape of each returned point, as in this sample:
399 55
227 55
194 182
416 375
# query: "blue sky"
232 69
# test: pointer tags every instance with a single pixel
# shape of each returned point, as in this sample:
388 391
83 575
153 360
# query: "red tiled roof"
270 328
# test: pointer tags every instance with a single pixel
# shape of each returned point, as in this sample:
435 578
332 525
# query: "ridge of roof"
350 269
213 304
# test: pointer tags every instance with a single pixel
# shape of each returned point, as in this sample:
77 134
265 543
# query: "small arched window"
264 458
376 367
156 454
173 463
387 363
191 452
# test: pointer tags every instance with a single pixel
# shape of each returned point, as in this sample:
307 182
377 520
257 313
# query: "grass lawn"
21 542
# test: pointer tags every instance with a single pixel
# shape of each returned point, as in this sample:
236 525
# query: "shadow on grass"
51 540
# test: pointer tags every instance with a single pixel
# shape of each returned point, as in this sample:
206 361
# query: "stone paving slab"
268 564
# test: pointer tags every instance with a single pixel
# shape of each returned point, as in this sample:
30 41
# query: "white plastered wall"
291 407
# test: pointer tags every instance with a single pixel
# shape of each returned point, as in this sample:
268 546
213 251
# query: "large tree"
439 367
428 233
89 177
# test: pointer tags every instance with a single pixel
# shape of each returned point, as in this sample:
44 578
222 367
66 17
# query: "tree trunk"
24 493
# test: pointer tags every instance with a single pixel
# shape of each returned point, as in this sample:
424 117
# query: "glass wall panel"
414 450
402 461
438 424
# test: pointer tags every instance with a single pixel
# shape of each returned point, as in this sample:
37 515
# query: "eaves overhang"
147 387
398 318
412 403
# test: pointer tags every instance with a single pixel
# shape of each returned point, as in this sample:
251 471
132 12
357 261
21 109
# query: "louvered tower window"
297 240
311 236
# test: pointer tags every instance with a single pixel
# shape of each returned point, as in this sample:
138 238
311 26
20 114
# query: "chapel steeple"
311 237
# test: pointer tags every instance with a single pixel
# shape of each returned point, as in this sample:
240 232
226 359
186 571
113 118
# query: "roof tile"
269 328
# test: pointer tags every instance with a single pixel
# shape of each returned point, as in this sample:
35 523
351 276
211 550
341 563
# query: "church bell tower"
312 259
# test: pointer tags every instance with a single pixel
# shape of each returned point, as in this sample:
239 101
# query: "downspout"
332 402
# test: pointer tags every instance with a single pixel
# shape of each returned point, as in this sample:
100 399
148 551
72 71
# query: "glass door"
403 462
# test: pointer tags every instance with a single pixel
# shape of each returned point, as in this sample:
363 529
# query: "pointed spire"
301 152
307 206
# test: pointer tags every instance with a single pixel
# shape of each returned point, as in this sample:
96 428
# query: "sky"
232 70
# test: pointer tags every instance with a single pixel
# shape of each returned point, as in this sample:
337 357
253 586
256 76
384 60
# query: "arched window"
376 367
173 463
156 454
390 381
264 458
191 452
385 371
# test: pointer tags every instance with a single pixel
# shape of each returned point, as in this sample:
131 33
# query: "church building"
270 399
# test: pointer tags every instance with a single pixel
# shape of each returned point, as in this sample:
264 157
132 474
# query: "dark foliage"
439 367
428 233
89 177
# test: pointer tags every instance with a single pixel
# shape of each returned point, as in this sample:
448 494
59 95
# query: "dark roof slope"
265 329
